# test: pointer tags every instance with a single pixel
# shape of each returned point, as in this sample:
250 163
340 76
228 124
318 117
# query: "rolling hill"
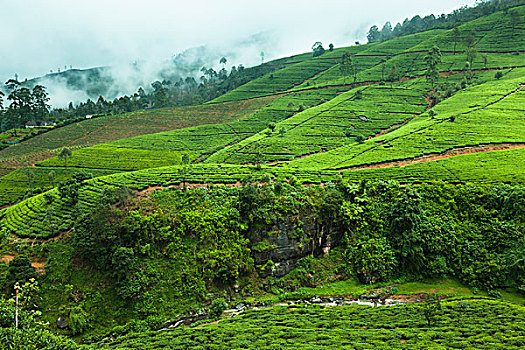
302 187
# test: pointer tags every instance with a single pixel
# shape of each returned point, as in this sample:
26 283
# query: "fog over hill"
140 41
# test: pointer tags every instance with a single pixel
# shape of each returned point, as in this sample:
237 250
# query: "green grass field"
322 132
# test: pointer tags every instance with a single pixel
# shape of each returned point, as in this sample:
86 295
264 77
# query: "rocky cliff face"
285 243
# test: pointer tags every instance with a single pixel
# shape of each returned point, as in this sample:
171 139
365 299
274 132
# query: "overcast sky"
39 35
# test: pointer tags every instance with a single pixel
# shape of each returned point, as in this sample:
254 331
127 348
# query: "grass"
491 33
168 148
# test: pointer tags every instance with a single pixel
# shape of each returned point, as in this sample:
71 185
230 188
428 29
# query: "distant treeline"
168 93
31 107
452 20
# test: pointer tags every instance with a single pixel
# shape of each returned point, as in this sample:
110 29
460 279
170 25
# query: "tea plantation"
461 324
388 170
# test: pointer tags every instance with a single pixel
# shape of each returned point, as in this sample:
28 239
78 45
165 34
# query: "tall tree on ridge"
223 62
64 155
392 75
373 34
346 65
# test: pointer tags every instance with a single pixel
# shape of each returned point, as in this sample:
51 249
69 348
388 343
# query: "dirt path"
151 189
437 156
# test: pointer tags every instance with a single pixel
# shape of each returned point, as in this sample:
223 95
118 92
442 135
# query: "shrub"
498 75
78 320
217 307
494 293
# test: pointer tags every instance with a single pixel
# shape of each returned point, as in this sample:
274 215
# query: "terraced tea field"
492 116
31 217
362 112
461 324
114 127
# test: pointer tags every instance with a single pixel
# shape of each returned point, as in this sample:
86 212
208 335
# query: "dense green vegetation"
177 246
361 112
491 117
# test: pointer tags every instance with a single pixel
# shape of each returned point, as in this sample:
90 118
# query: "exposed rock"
288 246
62 323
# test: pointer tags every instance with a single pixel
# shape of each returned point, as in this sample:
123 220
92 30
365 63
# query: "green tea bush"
217 307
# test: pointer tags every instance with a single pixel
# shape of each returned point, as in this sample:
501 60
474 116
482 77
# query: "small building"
31 124
89 116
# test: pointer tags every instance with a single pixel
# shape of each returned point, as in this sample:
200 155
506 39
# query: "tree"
469 40
68 190
372 259
271 126
433 59
386 32
346 65
383 69
331 47
40 108
431 307
262 57
485 60
217 307
373 34
19 111
456 35
223 61
30 174
392 75
64 155
1 101
20 270
471 54
404 216
318 49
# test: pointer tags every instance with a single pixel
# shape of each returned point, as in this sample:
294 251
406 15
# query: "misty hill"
388 174
77 85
